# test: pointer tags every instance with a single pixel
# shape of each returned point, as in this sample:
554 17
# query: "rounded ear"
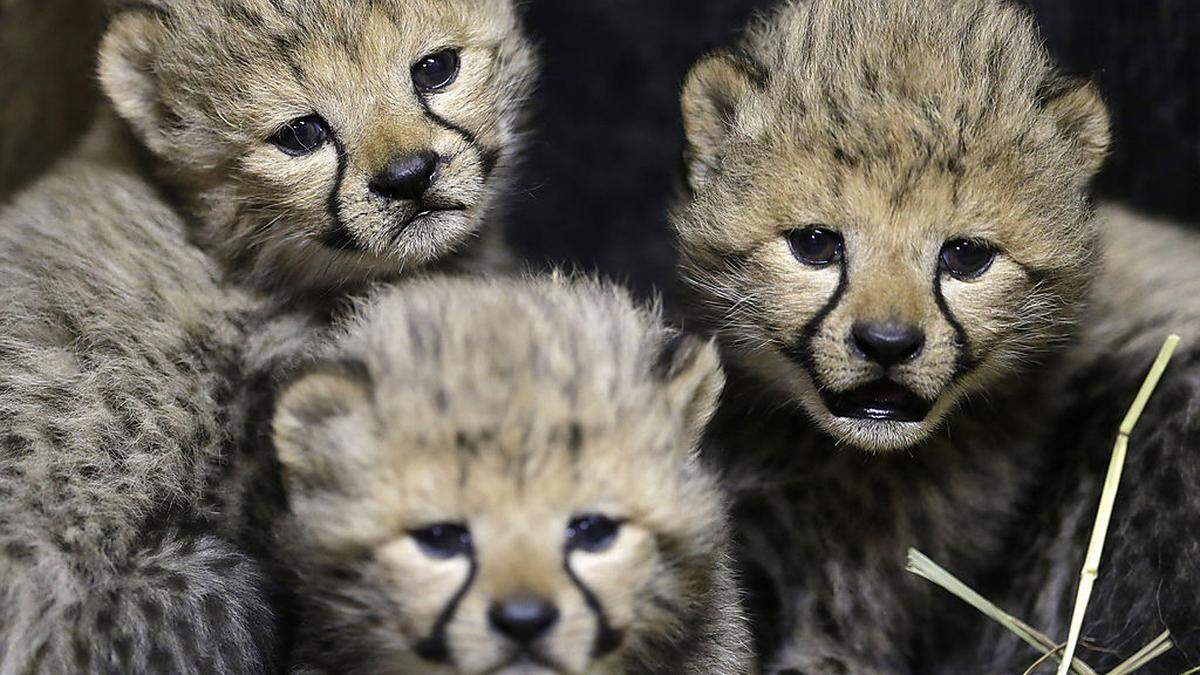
691 370
128 76
1079 112
715 89
308 411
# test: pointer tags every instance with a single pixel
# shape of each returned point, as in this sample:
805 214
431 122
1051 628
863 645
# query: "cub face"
325 142
516 519
881 225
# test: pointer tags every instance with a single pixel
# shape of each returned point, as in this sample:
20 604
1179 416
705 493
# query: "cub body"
889 231
196 239
119 354
488 477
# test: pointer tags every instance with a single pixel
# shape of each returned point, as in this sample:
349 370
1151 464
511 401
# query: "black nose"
523 620
406 178
888 344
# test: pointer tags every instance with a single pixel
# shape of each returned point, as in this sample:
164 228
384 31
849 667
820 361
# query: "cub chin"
489 477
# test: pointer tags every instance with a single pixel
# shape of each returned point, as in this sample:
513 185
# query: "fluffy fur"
126 350
118 348
904 128
509 409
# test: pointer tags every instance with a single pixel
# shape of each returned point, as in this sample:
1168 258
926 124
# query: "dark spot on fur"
152 612
123 649
575 438
243 14
159 660
177 582
104 620
82 654
19 551
215 612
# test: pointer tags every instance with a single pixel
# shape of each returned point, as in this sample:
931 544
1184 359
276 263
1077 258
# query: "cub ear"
1079 112
128 71
312 412
691 369
714 91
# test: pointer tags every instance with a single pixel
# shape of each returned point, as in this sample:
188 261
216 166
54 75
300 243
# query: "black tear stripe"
434 648
607 638
489 158
339 236
801 351
966 361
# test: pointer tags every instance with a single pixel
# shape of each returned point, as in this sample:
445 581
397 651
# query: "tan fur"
204 84
510 408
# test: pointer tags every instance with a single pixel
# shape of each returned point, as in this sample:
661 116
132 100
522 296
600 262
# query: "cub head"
888 207
324 142
490 479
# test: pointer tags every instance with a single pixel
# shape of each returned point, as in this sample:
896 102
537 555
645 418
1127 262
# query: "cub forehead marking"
434 647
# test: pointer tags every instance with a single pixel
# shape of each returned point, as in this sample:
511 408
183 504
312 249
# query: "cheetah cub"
266 156
889 231
500 477
931 340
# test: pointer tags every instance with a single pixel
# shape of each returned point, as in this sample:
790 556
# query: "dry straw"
922 566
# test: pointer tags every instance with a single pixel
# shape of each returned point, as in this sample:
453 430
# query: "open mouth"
881 400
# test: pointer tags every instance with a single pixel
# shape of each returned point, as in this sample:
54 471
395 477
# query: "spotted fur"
510 409
904 126
118 354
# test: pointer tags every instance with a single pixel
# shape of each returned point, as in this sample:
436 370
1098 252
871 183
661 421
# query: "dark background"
607 138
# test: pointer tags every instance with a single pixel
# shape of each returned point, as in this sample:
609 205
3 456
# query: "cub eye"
436 71
967 259
443 541
302 136
816 246
594 533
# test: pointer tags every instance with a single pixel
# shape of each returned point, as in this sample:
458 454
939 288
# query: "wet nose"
407 177
888 344
523 620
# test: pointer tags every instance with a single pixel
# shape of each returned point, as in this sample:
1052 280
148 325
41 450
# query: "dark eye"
593 534
967 259
436 71
302 136
443 541
816 246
